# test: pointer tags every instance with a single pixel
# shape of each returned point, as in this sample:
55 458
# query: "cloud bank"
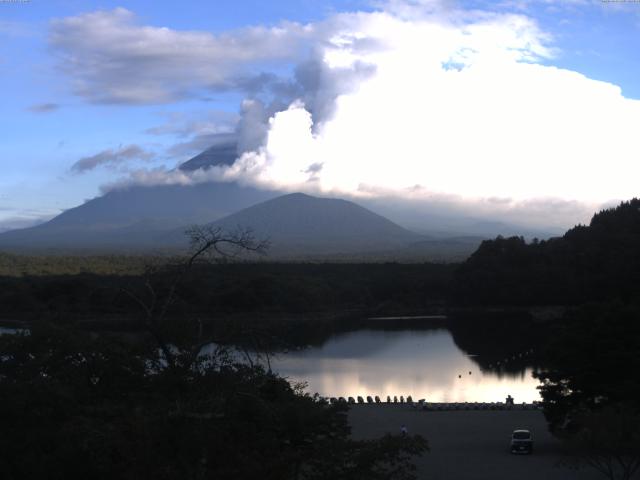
416 100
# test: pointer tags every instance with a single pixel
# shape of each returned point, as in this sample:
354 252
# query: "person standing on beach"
403 430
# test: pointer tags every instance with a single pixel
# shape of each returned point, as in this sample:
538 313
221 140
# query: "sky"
514 109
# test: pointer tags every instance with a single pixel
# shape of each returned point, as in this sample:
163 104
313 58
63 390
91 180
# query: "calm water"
11 331
421 363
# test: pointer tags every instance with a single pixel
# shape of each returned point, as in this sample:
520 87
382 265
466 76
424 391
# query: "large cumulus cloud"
415 100
464 106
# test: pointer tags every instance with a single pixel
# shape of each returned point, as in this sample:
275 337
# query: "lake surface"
11 331
421 363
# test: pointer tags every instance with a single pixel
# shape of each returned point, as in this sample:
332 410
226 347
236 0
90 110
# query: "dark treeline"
63 378
262 306
597 262
21 265
235 288
158 404
589 360
504 342
81 406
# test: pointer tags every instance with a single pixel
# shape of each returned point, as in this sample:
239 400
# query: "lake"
421 363
11 330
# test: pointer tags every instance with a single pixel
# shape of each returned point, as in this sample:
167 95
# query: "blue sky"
59 106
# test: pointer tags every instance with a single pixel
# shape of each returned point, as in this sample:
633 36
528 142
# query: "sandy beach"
470 444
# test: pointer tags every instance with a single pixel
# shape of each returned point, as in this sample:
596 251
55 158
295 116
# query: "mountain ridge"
301 224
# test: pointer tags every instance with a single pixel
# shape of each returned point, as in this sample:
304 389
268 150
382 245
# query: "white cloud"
164 176
15 223
112 59
464 107
418 100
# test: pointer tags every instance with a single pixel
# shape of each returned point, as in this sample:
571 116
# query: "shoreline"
443 406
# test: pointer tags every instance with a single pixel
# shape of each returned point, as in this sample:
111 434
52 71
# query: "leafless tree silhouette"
207 244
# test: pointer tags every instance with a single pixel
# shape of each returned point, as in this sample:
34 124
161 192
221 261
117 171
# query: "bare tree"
207 243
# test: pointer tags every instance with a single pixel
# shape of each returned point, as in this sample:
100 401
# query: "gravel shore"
470 444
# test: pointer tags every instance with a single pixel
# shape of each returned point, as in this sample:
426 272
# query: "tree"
607 440
76 405
590 387
80 405
591 362
160 291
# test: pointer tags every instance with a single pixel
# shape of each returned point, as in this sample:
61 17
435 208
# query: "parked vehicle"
521 441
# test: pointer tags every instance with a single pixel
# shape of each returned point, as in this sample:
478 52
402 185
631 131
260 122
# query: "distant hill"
588 263
140 217
299 224
144 218
135 217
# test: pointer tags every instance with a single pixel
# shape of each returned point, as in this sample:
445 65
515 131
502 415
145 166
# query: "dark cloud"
314 171
44 107
320 86
314 168
111 158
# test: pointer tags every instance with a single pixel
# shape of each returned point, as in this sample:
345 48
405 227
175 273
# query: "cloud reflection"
423 364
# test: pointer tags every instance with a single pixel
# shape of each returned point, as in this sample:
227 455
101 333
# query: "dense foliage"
590 383
592 361
233 288
591 387
77 406
80 404
590 364
118 411
589 263
15 265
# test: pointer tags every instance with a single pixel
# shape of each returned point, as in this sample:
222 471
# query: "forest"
595 262
114 398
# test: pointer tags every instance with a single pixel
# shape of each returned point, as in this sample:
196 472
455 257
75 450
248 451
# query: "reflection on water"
11 331
421 363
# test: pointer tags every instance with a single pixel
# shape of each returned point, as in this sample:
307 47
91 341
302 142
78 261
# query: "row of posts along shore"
422 404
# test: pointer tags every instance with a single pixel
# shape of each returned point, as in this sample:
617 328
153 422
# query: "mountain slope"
222 154
141 217
146 217
299 224
135 216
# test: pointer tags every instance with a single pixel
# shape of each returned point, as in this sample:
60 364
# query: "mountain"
135 217
141 217
224 153
299 224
